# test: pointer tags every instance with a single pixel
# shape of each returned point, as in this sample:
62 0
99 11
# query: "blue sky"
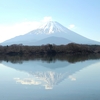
20 16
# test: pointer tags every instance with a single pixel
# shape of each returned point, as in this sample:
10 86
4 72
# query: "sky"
18 17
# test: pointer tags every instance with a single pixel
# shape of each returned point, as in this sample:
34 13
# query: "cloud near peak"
46 19
10 31
71 26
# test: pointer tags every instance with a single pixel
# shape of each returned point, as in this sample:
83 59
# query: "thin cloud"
46 19
10 31
27 81
72 26
72 78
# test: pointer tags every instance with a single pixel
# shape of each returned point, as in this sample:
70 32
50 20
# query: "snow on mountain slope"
52 27
46 30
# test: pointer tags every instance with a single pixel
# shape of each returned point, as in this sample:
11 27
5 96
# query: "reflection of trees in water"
50 58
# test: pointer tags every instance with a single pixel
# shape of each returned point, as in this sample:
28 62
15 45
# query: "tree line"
49 49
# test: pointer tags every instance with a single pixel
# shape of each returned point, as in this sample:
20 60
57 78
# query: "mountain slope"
47 30
52 40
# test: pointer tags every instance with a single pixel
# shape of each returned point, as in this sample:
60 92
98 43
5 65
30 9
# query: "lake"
53 79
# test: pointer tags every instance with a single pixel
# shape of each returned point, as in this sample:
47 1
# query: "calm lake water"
54 80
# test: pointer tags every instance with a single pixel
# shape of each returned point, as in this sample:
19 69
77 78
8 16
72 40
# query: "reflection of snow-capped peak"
47 79
52 27
50 78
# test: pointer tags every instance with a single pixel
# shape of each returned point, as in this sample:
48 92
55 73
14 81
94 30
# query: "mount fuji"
50 32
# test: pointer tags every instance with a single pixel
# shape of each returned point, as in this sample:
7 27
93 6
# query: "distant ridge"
53 40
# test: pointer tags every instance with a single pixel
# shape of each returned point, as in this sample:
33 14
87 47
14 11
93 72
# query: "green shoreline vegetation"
71 48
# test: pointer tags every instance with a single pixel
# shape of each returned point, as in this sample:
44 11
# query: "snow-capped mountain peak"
49 32
52 27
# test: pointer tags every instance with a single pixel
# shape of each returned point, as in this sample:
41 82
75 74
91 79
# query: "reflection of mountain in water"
37 65
49 76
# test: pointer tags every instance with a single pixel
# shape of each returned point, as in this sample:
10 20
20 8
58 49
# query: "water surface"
54 80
